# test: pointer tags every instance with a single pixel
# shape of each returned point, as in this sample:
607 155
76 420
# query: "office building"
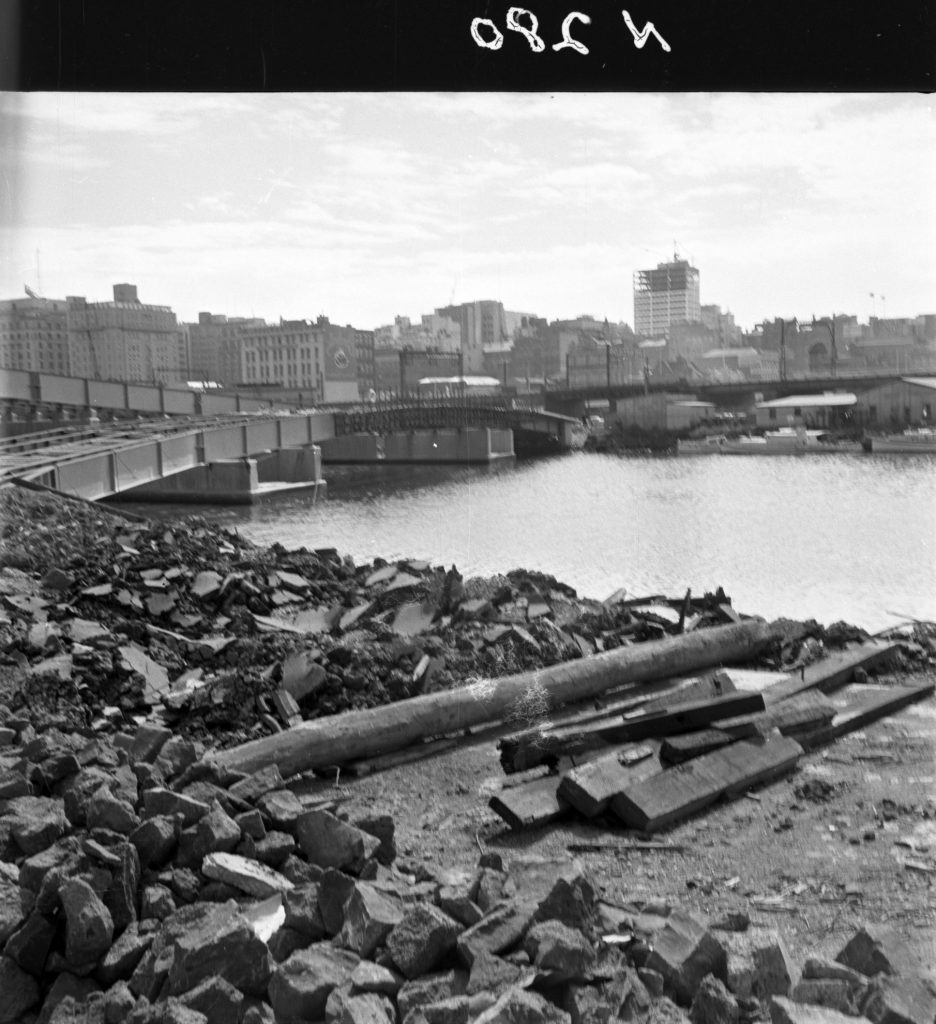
125 340
34 335
667 295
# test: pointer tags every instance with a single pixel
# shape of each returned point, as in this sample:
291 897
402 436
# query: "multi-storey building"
319 359
664 296
125 340
722 325
214 347
34 335
433 332
483 329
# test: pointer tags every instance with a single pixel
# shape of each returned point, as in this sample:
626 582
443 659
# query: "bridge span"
237 457
218 459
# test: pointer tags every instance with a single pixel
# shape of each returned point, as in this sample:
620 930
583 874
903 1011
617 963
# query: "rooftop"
828 398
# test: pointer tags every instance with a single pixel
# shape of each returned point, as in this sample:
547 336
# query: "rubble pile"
105 619
141 883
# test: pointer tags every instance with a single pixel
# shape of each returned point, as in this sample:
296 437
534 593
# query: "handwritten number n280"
493 38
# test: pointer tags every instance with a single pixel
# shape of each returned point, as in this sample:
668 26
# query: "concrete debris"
143 881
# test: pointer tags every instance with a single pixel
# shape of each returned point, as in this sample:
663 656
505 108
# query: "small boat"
710 445
918 440
788 441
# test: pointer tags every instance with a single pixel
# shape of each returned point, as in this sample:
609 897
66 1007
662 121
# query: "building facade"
125 340
665 296
214 345
319 360
34 335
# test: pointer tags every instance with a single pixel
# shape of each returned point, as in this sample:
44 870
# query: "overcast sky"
363 206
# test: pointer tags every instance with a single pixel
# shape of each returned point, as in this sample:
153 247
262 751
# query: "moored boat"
710 445
788 441
919 440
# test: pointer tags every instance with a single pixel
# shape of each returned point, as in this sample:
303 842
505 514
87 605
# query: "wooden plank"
544 746
867 710
832 672
677 792
803 713
648 697
678 749
589 787
531 804
365 733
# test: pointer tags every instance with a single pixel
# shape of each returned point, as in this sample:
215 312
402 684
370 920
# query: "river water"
833 537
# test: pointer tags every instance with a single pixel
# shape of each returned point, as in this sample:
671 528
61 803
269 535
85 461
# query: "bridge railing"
425 415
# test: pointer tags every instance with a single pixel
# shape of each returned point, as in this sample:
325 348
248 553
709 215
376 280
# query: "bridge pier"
236 481
473 445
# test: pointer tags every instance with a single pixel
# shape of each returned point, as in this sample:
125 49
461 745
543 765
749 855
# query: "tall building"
483 329
664 296
214 347
34 335
125 340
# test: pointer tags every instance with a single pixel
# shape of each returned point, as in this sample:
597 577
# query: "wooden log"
366 733
549 744
865 711
675 793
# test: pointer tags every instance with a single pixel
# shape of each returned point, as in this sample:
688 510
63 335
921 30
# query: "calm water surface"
831 537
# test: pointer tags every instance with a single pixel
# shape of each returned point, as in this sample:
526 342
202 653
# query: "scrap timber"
359 734
682 769
675 793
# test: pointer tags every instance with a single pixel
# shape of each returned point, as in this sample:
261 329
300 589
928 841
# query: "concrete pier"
237 481
460 445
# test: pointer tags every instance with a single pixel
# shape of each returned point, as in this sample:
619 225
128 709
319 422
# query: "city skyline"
363 207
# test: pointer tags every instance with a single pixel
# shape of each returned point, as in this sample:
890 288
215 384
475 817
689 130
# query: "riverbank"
119 632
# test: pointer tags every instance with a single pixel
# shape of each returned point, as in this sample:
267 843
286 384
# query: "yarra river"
830 537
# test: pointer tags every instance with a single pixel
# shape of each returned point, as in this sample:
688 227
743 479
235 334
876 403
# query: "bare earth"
815 869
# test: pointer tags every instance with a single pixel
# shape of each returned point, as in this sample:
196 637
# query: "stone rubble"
142 883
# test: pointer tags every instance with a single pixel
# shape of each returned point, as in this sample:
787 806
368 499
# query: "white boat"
787 441
917 440
711 445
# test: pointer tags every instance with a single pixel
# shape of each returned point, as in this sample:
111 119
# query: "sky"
364 206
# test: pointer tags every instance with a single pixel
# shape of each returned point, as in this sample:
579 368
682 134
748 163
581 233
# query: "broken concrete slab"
245 874
414 617
302 674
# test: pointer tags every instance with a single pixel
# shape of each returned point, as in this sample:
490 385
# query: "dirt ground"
848 839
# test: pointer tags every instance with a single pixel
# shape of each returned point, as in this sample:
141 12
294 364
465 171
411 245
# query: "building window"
797 411
773 414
